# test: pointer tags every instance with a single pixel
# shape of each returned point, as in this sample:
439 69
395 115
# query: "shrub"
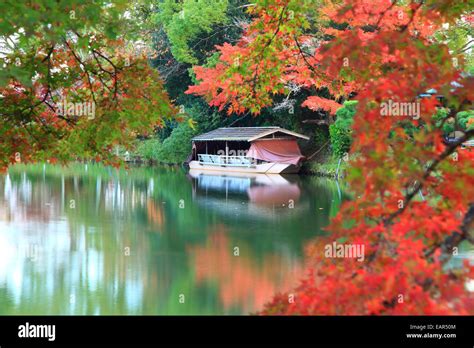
340 131
466 119
149 149
177 147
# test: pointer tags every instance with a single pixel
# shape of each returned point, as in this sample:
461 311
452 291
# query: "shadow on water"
88 239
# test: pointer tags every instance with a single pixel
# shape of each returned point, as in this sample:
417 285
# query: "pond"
89 239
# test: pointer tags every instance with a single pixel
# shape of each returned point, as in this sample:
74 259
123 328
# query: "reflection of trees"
243 282
84 253
154 213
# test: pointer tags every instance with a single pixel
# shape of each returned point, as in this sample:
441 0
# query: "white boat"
269 150
255 195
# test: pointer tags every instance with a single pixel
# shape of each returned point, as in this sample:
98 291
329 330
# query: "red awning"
280 151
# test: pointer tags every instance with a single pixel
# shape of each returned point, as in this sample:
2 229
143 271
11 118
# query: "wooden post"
226 152
337 171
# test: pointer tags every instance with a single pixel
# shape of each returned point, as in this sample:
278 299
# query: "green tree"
459 37
177 147
463 121
81 53
185 21
340 131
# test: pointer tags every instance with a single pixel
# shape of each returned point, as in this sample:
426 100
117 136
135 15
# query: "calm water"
94 240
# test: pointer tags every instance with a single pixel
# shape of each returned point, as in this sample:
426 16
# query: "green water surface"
89 239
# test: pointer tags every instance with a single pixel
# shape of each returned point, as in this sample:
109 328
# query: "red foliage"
316 103
269 57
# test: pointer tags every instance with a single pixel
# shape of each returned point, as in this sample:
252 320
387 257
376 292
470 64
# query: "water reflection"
92 240
261 195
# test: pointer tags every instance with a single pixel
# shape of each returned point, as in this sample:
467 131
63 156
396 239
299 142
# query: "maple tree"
413 194
58 59
276 50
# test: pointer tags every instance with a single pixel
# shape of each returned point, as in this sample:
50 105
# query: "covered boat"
270 150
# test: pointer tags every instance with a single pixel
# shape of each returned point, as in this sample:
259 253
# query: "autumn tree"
59 59
413 194
275 56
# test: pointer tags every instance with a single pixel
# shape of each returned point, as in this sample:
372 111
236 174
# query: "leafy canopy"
184 21
84 54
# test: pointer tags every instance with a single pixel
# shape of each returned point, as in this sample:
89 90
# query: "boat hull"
266 168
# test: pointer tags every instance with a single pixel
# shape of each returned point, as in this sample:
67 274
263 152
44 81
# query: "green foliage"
340 131
329 167
174 149
206 118
320 136
177 147
440 115
463 121
187 33
74 51
178 44
458 36
185 21
149 149
340 139
47 23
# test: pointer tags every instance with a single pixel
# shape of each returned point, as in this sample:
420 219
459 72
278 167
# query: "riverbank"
150 152
331 168
328 169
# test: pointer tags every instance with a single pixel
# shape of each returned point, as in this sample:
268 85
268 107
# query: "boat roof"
244 134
